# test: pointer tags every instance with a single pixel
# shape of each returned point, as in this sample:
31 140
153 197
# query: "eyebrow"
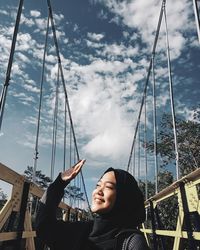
110 182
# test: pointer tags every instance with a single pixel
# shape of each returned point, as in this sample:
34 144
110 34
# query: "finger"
79 165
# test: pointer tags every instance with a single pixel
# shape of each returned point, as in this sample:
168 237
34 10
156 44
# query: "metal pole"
197 17
171 94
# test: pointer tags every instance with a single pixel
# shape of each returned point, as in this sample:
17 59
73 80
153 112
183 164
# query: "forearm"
46 216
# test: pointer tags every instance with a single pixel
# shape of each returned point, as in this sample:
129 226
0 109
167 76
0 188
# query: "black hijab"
128 212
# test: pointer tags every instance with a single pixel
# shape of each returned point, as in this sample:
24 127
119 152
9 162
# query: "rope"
65 91
197 17
55 120
139 152
145 146
134 158
145 87
40 104
155 126
65 138
171 93
10 62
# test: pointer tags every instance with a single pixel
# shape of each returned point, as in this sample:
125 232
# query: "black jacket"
60 235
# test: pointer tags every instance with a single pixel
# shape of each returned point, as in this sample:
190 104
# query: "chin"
95 209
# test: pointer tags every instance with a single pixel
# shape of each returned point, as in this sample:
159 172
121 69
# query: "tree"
3 198
41 179
73 193
188 137
165 213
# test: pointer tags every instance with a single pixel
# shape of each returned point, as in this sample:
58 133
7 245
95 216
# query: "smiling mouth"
98 200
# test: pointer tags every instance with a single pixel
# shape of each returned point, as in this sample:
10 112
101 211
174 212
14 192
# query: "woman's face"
104 195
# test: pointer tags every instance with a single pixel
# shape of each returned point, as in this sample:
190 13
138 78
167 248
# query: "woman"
117 204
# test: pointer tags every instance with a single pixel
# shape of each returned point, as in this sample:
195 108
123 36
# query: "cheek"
111 198
93 193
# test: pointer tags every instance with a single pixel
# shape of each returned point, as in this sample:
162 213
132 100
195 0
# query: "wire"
40 104
65 137
145 146
10 62
66 95
171 94
55 120
145 87
155 126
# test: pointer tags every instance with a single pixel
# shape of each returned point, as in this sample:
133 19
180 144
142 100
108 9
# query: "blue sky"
105 49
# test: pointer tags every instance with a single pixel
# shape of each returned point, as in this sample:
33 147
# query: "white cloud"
30 88
143 15
27 21
95 37
4 12
35 13
120 50
104 94
41 23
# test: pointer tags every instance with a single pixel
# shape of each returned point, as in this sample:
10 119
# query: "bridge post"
187 219
153 223
23 207
160 226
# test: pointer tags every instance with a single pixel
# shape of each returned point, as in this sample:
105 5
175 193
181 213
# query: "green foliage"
73 193
3 198
41 179
188 137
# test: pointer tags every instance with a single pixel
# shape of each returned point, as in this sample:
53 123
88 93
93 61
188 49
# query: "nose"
99 190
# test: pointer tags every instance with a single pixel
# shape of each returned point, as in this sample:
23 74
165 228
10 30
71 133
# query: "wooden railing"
186 191
18 206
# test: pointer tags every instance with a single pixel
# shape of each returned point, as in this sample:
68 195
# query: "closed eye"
110 187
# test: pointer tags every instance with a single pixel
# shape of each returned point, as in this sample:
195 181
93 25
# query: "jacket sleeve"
58 233
48 228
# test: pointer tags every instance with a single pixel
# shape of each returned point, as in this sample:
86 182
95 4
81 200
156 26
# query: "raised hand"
72 172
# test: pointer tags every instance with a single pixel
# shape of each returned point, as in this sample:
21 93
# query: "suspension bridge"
18 212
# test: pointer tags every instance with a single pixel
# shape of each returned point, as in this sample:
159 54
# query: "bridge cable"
197 17
171 93
55 125
139 151
155 126
10 62
65 91
145 87
65 137
40 104
145 146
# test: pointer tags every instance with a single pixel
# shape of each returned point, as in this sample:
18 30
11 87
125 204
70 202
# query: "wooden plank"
173 188
30 244
6 236
5 212
10 176
172 233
